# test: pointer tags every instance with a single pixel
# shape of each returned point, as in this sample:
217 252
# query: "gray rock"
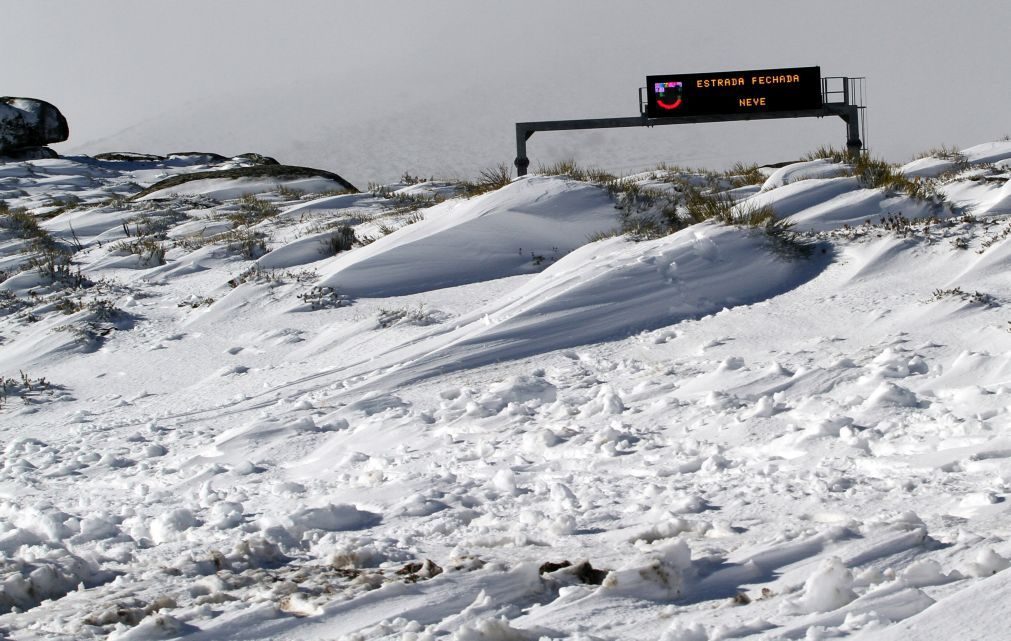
31 153
128 156
28 122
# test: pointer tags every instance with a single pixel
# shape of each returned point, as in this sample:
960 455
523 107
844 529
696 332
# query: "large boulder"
27 122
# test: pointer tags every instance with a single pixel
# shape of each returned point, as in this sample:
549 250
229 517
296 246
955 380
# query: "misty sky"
373 89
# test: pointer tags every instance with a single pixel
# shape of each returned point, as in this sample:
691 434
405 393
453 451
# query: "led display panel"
733 92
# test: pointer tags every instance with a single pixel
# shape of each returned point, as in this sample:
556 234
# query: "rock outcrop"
280 172
27 125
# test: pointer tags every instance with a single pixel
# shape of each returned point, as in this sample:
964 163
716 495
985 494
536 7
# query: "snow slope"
213 427
511 231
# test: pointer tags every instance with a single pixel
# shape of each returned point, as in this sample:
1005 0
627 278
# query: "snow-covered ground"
494 418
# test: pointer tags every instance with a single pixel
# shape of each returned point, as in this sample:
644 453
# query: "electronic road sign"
733 92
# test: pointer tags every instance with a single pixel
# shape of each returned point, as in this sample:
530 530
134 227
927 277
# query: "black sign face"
733 92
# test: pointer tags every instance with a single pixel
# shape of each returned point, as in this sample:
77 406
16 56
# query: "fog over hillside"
375 89
454 138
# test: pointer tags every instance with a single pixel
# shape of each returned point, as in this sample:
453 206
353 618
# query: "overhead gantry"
845 102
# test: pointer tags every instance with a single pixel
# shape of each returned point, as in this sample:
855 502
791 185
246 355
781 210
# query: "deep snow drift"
279 411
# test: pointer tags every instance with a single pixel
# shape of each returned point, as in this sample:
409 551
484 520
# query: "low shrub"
388 317
323 297
253 210
975 297
570 169
829 153
151 252
24 387
490 179
338 241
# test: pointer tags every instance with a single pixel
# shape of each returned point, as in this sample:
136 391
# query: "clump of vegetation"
878 174
253 210
151 252
874 173
490 179
898 224
742 175
288 193
340 240
152 223
247 243
327 224
194 301
257 274
701 206
403 202
101 319
56 266
408 179
24 225
388 317
24 387
993 239
328 193
949 153
832 154
694 197
646 212
975 297
570 169
649 213
961 230
631 195
102 310
116 201
10 302
323 297
48 256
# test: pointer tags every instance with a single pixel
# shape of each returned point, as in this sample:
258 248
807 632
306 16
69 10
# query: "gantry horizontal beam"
524 130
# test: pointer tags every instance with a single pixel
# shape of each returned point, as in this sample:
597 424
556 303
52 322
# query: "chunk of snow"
830 587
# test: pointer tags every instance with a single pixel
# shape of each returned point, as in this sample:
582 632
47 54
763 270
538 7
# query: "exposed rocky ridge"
255 171
130 156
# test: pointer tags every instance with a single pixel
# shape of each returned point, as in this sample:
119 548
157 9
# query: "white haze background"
373 89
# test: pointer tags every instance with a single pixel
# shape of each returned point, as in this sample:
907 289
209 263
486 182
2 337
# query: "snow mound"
660 575
825 204
613 288
927 167
830 587
514 230
933 166
225 188
795 172
329 518
975 612
797 196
